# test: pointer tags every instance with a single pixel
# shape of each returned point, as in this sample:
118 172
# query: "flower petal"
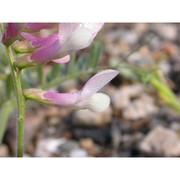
94 27
97 82
38 26
28 36
62 60
98 102
79 39
65 30
37 42
46 54
62 99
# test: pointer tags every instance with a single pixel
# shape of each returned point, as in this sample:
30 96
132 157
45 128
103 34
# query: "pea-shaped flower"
57 46
87 98
13 30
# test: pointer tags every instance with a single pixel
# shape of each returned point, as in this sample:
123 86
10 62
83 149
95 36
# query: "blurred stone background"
137 123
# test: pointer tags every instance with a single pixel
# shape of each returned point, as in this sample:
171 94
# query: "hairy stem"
20 102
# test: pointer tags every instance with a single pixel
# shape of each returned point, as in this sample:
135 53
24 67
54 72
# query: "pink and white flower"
56 47
87 98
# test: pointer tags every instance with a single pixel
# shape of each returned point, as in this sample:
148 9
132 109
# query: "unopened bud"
23 47
12 33
24 62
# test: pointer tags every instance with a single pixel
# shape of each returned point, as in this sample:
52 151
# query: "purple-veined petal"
97 82
62 99
46 54
37 42
62 60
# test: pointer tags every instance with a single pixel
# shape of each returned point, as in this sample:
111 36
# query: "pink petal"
45 54
36 42
84 98
38 26
63 60
97 82
28 36
62 99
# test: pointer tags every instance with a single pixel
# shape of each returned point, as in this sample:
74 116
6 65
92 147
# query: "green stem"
20 102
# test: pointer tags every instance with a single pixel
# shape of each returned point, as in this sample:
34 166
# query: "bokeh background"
143 119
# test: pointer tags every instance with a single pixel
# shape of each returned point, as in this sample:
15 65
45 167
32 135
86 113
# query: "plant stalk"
20 103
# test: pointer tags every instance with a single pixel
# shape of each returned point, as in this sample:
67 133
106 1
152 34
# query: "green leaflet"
4 116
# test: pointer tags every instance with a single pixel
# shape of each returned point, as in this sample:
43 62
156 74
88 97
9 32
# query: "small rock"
53 121
129 141
4 151
141 28
121 98
89 145
155 43
32 124
78 153
59 113
115 134
140 108
99 135
68 146
47 147
130 36
161 142
166 31
86 143
170 49
89 118
164 67
139 58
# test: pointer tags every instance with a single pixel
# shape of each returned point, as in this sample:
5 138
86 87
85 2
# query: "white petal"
79 39
94 27
98 102
65 31
97 82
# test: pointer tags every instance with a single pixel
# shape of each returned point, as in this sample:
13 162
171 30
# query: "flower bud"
24 62
12 33
23 47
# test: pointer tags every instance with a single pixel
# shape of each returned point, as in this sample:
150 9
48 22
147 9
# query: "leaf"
54 72
82 63
4 116
95 54
3 55
40 74
9 85
72 68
